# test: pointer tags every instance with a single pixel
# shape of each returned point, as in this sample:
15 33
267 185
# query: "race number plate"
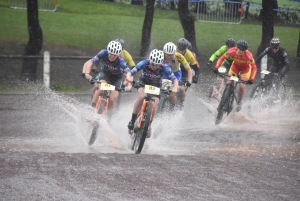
265 72
234 78
152 90
105 86
166 81
222 70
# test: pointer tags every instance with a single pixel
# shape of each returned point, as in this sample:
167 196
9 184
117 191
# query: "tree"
146 32
35 43
188 23
267 17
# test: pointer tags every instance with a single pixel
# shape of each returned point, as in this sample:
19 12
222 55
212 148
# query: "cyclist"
175 60
125 54
243 64
153 70
280 63
112 71
182 47
230 42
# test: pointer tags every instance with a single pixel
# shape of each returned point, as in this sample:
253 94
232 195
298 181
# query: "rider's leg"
137 107
95 97
112 100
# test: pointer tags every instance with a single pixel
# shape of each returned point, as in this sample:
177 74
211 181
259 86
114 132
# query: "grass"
91 24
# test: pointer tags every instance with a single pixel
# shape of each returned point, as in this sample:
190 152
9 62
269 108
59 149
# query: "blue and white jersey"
153 76
115 67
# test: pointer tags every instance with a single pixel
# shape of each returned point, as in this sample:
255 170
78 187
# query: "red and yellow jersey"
243 63
177 60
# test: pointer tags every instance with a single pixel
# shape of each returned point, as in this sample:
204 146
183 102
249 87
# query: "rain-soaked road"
45 155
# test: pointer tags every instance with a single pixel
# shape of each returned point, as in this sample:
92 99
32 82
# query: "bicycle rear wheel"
223 106
142 132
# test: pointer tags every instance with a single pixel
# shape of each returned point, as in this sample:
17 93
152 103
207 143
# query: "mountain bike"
102 105
144 118
217 89
228 97
268 92
165 104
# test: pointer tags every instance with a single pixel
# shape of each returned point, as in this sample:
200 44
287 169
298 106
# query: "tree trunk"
188 24
267 17
146 32
35 43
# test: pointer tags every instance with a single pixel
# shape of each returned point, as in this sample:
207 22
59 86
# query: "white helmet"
156 56
114 47
170 48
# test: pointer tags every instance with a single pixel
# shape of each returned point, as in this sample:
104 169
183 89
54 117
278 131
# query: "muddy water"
51 122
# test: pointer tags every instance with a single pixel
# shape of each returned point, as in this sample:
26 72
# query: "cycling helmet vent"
183 43
275 42
242 45
230 42
114 47
156 56
170 48
120 41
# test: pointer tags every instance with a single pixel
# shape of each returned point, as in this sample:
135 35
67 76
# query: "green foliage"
91 24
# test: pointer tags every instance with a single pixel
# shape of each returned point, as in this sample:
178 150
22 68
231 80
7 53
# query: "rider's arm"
220 60
253 69
218 53
257 59
185 64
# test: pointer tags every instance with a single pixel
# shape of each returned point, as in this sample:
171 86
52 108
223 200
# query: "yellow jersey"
177 60
128 59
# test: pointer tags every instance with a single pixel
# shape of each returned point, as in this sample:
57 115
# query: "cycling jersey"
115 67
194 64
177 61
128 59
153 77
227 63
244 64
280 60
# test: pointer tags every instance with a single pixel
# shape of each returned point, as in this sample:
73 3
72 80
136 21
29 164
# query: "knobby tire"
94 133
101 108
140 139
223 106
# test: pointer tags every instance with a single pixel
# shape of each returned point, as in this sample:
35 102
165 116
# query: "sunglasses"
275 47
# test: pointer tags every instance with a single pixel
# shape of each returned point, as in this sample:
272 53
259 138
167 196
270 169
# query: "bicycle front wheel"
101 108
94 133
223 106
142 133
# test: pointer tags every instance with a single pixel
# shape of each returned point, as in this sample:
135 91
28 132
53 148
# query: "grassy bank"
88 25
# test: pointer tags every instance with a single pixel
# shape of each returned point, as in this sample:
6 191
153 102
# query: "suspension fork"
142 112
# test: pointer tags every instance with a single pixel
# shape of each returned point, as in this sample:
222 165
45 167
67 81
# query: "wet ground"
45 154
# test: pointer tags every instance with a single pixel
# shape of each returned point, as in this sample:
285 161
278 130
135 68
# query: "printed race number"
105 86
152 90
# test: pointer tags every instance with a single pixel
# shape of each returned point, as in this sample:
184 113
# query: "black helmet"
230 42
242 45
120 41
183 43
275 42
